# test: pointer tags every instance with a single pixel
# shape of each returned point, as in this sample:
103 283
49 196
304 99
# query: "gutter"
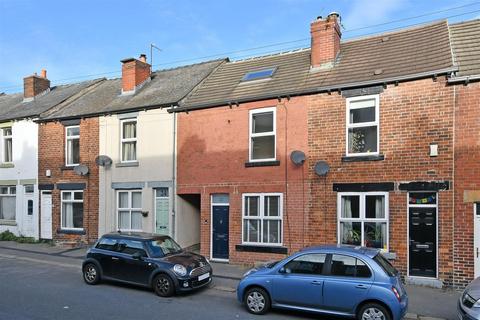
465 79
339 87
105 113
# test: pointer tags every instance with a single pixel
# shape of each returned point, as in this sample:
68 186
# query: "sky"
86 39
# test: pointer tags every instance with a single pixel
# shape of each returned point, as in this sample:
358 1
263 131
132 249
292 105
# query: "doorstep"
424 282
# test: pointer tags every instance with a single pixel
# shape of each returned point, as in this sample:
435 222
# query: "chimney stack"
34 85
134 73
325 45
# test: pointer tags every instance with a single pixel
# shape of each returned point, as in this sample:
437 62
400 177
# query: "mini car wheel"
91 274
257 301
163 285
373 311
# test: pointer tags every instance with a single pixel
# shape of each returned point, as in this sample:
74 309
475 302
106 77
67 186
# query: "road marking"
52 263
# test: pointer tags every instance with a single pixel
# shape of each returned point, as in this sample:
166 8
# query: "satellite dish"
297 157
103 161
81 170
321 168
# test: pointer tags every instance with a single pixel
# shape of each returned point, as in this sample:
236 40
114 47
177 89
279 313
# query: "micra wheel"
91 273
257 301
373 311
163 286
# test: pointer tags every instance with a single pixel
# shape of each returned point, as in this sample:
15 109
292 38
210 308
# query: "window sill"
7 165
262 164
8 222
376 157
64 168
127 164
71 231
261 248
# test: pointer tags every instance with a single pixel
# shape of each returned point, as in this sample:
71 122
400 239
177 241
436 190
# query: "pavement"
424 303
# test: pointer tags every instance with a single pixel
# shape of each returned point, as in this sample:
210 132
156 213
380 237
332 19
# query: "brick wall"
412 116
212 152
213 149
52 157
467 178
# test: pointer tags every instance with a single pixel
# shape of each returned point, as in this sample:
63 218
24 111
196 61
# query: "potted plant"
374 236
353 237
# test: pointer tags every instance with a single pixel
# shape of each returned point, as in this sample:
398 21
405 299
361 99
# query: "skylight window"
259 74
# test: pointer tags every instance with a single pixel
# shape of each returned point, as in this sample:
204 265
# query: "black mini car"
150 260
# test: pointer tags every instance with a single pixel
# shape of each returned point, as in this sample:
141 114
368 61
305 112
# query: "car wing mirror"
282 270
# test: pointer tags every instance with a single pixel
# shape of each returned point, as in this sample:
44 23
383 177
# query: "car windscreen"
385 265
162 246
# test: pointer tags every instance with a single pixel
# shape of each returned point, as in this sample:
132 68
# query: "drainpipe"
174 165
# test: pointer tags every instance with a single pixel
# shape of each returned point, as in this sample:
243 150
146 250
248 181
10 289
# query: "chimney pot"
143 58
325 40
44 73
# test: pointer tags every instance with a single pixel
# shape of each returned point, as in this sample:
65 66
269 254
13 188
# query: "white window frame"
349 125
13 195
122 140
262 134
4 139
70 201
129 208
67 138
362 218
262 217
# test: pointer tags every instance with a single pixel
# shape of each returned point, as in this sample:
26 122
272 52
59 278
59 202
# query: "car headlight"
249 272
476 304
180 270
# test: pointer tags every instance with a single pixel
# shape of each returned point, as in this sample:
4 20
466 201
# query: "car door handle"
317 283
361 286
115 258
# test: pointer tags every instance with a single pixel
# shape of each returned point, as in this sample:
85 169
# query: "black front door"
220 232
423 241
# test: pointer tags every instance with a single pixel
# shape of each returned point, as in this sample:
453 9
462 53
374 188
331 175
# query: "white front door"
476 232
28 221
46 215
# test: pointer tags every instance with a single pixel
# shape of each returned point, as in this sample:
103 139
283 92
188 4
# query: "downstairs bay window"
363 219
262 218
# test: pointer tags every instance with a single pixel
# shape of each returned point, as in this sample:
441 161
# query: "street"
41 290
40 281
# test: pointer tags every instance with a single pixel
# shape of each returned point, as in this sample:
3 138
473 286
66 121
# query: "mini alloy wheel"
91 274
373 311
163 285
257 301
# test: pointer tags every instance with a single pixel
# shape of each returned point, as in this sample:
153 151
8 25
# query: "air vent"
385 39
378 71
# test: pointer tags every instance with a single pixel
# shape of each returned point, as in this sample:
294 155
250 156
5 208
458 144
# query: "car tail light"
396 293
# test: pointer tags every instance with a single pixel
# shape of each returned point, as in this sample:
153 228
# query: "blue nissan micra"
337 280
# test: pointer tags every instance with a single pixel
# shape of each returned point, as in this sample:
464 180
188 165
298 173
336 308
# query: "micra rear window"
386 265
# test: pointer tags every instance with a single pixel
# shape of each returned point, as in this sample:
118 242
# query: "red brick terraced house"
348 142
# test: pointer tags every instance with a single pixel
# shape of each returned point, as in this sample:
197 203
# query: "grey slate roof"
12 106
166 88
465 37
397 55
